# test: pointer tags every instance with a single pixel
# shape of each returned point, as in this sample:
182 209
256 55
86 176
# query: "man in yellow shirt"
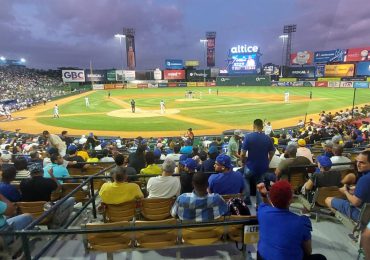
151 166
120 190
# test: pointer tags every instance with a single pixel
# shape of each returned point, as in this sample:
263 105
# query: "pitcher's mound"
187 99
127 113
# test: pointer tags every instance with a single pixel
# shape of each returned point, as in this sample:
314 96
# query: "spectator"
199 205
282 171
186 176
233 147
78 161
55 141
226 181
328 148
302 150
295 229
151 166
176 153
361 194
6 189
82 151
106 157
121 161
339 158
164 186
137 158
209 164
93 158
20 164
59 171
38 188
187 148
119 191
260 152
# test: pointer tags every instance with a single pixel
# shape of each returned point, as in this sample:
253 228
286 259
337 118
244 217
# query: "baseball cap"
224 160
301 142
190 163
212 149
238 132
280 194
324 161
52 150
157 152
328 143
190 129
72 148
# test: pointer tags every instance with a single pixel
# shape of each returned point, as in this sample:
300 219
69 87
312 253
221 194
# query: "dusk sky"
51 33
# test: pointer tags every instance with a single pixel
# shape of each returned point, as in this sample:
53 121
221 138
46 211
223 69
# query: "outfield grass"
233 107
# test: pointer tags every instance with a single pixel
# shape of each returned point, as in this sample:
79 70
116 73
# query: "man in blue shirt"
361 194
226 181
6 189
199 205
282 234
59 170
260 152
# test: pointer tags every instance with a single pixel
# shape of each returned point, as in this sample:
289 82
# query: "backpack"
238 207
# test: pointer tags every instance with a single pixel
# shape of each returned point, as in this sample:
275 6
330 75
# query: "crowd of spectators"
204 173
21 87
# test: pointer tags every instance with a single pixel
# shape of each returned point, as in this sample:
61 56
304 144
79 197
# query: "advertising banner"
300 72
247 80
320 70
98 86
211 49
172 84
174 74
287 79
201 84
73 75
297 84
328 79
309 83
95 76
197 75
340 70
243 63
173 64
329 56
353 79
191 84
361 84
270 69
130 48
358 54
182 84
321 84
334 84
126 74
162 85
346 84
157 74
301 58
191 63
210 84
142 85
363 68
111 75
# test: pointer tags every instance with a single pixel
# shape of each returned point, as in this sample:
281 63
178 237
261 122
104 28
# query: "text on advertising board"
244 49
73 75
340 70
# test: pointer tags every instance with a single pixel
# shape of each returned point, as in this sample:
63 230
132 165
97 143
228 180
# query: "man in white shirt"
163 107
55 141
339 158
166 185
268 128
87 102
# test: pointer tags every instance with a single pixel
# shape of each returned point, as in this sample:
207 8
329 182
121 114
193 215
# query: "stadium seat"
156 209
296 179
156 238
236 232
203 236
120 212
109 241
80 195
35 208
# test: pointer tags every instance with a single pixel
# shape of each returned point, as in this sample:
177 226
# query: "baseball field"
207 112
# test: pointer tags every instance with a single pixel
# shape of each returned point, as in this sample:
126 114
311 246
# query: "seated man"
361 194
166 185
186 175
151 166
6 189
59 170
199 205
38 188
339 158
324 178
291 160
119 191
73 157
226 181
290 237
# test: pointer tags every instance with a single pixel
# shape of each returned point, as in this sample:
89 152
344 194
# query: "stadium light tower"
23 60
2 58
289 30
283 37
120 37
204 41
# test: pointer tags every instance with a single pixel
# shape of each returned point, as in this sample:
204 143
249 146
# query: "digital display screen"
243 63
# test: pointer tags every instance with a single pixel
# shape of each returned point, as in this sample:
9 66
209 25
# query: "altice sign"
244 49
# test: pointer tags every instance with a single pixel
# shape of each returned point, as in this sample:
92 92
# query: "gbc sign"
244 49
73 75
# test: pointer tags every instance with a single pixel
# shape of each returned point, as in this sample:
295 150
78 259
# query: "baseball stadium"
128 132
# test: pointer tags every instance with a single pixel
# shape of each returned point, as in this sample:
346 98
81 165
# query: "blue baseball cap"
157 152
212 149
72 148
324 161
190 164
224 160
